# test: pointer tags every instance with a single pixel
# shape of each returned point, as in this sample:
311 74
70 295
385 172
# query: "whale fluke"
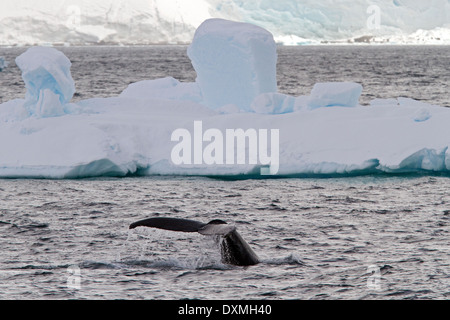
173 224
233 248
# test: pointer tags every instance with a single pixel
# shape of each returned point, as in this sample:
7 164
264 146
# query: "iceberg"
3 64
273 103
344 94
46 135
49 83
235 62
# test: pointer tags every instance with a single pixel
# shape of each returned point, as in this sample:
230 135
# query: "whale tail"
173 224
234 249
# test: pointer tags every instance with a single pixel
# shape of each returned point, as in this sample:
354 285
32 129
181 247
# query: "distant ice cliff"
79 22
166 127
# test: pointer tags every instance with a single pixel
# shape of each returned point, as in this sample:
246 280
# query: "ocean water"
349 238
368 237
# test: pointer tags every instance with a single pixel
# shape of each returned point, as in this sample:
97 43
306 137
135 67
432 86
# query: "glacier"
46 73
46 135
292 22
3 63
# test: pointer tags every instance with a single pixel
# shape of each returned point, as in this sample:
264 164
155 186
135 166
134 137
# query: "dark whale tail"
234 250
173 224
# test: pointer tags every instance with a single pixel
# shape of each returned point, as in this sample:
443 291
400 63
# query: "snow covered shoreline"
327 132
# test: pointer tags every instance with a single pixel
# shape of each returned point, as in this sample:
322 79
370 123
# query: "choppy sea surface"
349 238
368 237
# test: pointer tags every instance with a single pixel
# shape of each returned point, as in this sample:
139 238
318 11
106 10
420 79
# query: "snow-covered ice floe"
141 130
